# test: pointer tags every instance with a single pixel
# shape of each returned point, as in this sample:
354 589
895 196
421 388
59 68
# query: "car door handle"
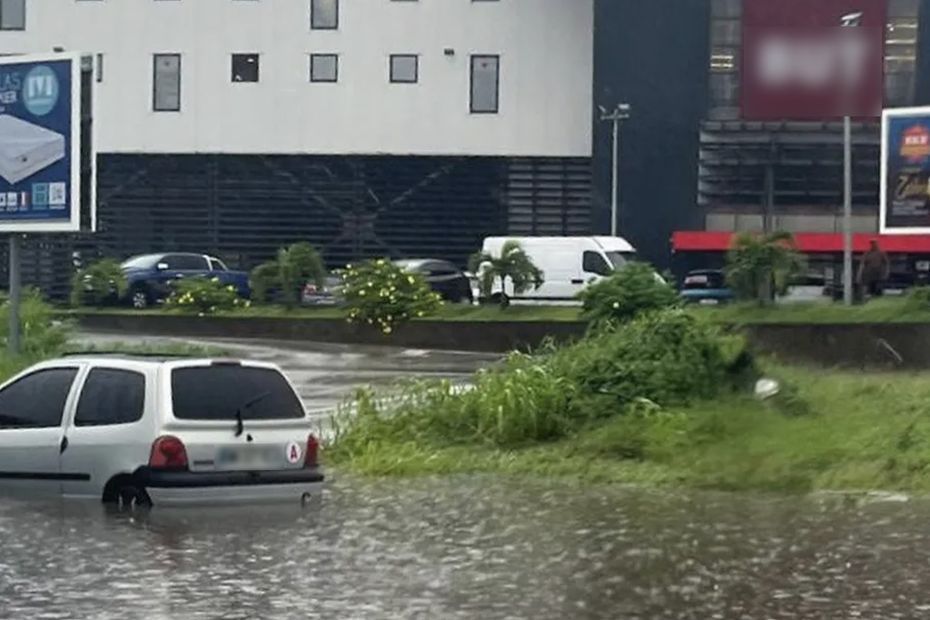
63 446
577 281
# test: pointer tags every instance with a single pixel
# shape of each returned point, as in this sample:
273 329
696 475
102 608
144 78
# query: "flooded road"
464 547
472 548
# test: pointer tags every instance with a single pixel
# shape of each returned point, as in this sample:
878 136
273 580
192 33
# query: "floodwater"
472 547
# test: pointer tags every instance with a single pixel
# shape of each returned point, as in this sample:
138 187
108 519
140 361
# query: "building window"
245 67
324 14
99 67
405 68
12 14
166 91
324 68
485 84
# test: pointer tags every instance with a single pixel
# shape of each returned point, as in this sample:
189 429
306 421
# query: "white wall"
546 49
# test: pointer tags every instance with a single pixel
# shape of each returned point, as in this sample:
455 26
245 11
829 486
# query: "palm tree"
513 264
761 266
293 267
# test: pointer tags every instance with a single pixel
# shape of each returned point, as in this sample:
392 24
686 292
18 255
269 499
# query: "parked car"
326 295
706 287
143 431
443 277
569 264
150 276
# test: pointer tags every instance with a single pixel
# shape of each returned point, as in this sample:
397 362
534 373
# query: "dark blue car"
706 287
150 276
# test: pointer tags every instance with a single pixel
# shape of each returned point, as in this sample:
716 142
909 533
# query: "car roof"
137 360
413 263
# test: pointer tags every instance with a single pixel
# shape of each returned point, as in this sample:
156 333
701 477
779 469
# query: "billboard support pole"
15 295
847 213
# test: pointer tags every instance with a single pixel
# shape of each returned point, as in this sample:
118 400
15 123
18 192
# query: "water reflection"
471 548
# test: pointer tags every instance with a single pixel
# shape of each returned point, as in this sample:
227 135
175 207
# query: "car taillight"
168 452
311 457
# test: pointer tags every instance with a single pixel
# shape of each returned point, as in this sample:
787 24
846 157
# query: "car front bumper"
185 488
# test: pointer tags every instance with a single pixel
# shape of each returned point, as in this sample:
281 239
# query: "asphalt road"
324 374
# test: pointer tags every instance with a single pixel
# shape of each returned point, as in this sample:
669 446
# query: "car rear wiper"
240 427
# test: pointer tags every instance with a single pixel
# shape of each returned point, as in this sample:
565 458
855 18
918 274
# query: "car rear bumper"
184 488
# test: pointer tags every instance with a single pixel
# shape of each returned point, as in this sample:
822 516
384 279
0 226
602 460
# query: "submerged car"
150 276
706 287
141 431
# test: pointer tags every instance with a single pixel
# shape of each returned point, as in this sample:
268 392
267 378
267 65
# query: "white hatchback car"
156 431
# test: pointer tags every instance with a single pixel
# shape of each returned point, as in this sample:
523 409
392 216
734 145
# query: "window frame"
416 68
313 25
258 67
335 78
111 369
17 28
476 58
75 372
155 59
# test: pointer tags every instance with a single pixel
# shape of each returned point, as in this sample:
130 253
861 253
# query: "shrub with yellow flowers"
383 295
204 296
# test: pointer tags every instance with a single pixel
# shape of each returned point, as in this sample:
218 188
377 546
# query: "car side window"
186 262
592 262
37 400
217 265
440 269
111 396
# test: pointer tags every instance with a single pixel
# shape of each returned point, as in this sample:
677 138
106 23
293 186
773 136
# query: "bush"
98 284
918 298
627 293
204 296
382 294
660 359
291 270
41 335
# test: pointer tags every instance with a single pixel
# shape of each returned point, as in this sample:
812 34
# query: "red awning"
808 243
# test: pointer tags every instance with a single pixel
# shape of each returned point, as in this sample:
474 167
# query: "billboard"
40 144
799 63
905 185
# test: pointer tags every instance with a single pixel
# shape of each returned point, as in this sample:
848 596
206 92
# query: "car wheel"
131 497
139 298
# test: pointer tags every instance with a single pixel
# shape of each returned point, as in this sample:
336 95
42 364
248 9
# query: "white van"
568 264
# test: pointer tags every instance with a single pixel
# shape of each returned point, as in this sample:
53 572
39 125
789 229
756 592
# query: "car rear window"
218 392
704 281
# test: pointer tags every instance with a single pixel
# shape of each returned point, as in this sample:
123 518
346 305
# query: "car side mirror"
162 266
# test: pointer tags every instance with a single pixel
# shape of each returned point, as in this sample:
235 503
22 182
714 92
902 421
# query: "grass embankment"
886 310
664 401
448 312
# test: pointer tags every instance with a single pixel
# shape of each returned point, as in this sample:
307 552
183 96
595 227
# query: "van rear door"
234 416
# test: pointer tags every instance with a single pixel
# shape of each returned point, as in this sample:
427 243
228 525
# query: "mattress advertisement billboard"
905 191
805 60
40 143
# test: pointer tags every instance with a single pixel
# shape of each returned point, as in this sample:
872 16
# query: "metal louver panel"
549 196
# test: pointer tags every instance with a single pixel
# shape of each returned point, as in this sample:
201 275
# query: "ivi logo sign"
40 90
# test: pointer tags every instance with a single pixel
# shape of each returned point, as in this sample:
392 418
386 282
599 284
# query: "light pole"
619 114
851 20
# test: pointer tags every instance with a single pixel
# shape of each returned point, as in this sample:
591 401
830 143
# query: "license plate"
709 302
250 458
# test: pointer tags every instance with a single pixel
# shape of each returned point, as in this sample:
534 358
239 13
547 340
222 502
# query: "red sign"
799 63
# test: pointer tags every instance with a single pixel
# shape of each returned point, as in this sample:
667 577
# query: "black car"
443 277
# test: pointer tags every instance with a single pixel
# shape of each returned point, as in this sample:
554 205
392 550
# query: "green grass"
861 432
886 310
168 349
449 312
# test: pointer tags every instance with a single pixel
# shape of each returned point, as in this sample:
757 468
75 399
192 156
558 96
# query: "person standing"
874 270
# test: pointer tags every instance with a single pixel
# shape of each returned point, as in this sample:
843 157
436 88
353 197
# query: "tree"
762 266
292 269
100 283
513 264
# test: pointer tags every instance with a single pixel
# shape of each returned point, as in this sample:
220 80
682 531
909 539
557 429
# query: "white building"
367 127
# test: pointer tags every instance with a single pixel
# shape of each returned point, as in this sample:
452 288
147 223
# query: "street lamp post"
616 117
852 20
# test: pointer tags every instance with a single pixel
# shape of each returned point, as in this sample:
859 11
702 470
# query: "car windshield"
140 262
218 392
619 259
704 280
